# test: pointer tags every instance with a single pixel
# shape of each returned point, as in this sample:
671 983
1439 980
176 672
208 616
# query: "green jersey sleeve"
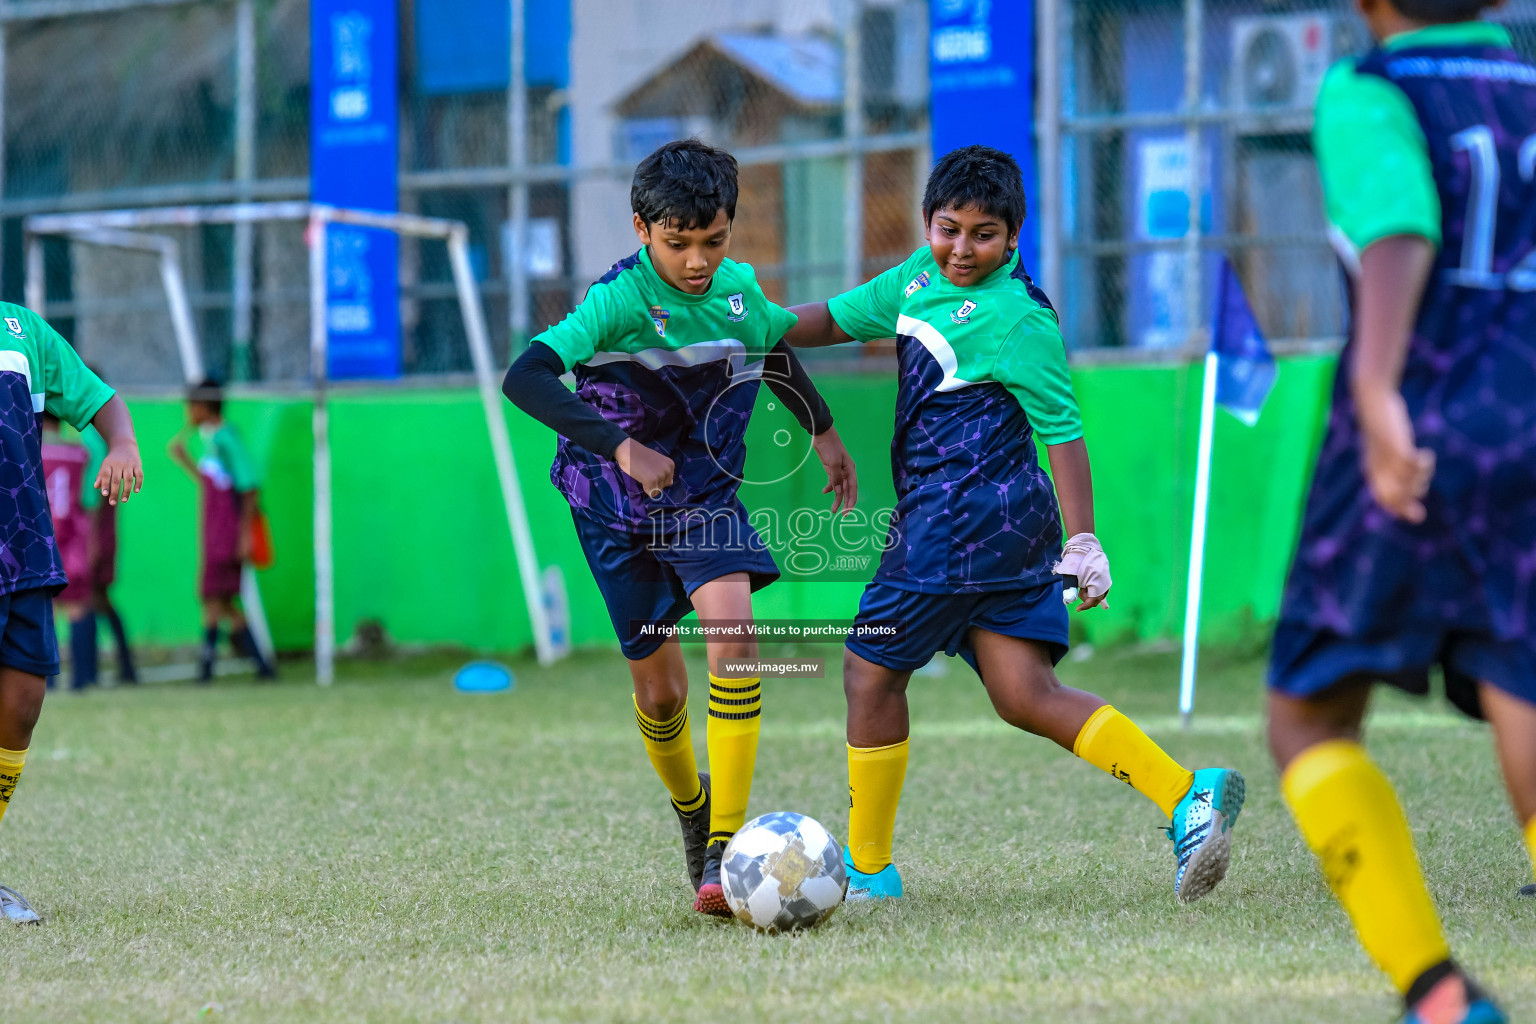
1373 160
595 325
1032 364
70 391
236 460
869 312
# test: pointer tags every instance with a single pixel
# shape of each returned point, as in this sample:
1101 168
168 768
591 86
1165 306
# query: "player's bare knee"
28 714
1024 698
1296 724
733 650
21 703
1022 712
863 681
660 695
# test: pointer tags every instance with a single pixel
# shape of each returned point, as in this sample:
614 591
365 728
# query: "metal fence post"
1194 31
1048 143
245 173
325 563
853 131
4 10
517 197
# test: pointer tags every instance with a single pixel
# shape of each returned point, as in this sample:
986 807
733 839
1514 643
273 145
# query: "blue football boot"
1202 831
15 909
884 884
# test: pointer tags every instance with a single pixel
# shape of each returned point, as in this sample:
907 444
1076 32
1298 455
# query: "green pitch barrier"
422 541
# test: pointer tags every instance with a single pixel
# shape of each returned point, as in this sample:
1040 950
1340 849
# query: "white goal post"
126 229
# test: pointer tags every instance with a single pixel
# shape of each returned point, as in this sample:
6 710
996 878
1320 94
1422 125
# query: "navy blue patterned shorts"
27 640
925 624
1373 599
649 578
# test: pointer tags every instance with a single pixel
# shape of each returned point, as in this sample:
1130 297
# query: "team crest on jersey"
15 326
915 285
659 318
963 314
738 303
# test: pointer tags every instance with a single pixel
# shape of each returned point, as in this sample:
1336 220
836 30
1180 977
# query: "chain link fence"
1155 110
1169 108
208 102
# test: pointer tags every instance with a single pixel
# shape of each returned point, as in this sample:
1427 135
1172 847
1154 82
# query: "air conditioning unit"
1278 60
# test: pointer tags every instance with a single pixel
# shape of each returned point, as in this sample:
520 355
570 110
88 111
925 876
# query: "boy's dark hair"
684 185
207 392
1440 12
979 177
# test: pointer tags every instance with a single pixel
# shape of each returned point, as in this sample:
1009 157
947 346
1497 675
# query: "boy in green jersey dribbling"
974 562
668 350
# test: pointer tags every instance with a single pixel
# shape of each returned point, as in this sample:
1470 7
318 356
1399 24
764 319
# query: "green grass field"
389 850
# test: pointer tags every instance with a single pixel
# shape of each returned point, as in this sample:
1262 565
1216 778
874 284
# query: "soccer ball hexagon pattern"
783 871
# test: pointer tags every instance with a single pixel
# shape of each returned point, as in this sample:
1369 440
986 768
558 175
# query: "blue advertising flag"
1245 369
354 153
982 80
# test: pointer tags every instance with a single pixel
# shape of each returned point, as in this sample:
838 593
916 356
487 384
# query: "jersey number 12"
1476 270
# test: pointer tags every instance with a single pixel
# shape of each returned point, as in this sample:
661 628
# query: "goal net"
161 234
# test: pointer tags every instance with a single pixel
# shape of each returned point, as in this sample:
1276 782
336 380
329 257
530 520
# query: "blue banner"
1246 370
465 46
982 71
354 150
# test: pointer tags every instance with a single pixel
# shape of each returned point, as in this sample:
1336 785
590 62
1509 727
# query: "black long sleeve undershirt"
533 385
789 382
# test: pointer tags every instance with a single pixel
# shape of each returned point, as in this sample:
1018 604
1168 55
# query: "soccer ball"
783 871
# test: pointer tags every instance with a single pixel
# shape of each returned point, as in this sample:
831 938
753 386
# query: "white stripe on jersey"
938 347
16 362
701 352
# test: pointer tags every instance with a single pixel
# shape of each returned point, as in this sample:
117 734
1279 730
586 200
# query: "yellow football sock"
1530 840
669 745
875 775
1113 743
735 718
11 763
1350 817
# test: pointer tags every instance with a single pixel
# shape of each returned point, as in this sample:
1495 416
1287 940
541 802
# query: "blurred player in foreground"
1418 544
974 559
65 462
668 349
227 475
38 372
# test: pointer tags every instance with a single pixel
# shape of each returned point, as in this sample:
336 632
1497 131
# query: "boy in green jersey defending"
974 562
668 350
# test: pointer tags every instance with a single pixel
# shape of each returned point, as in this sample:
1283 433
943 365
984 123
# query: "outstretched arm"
122 469
815 328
